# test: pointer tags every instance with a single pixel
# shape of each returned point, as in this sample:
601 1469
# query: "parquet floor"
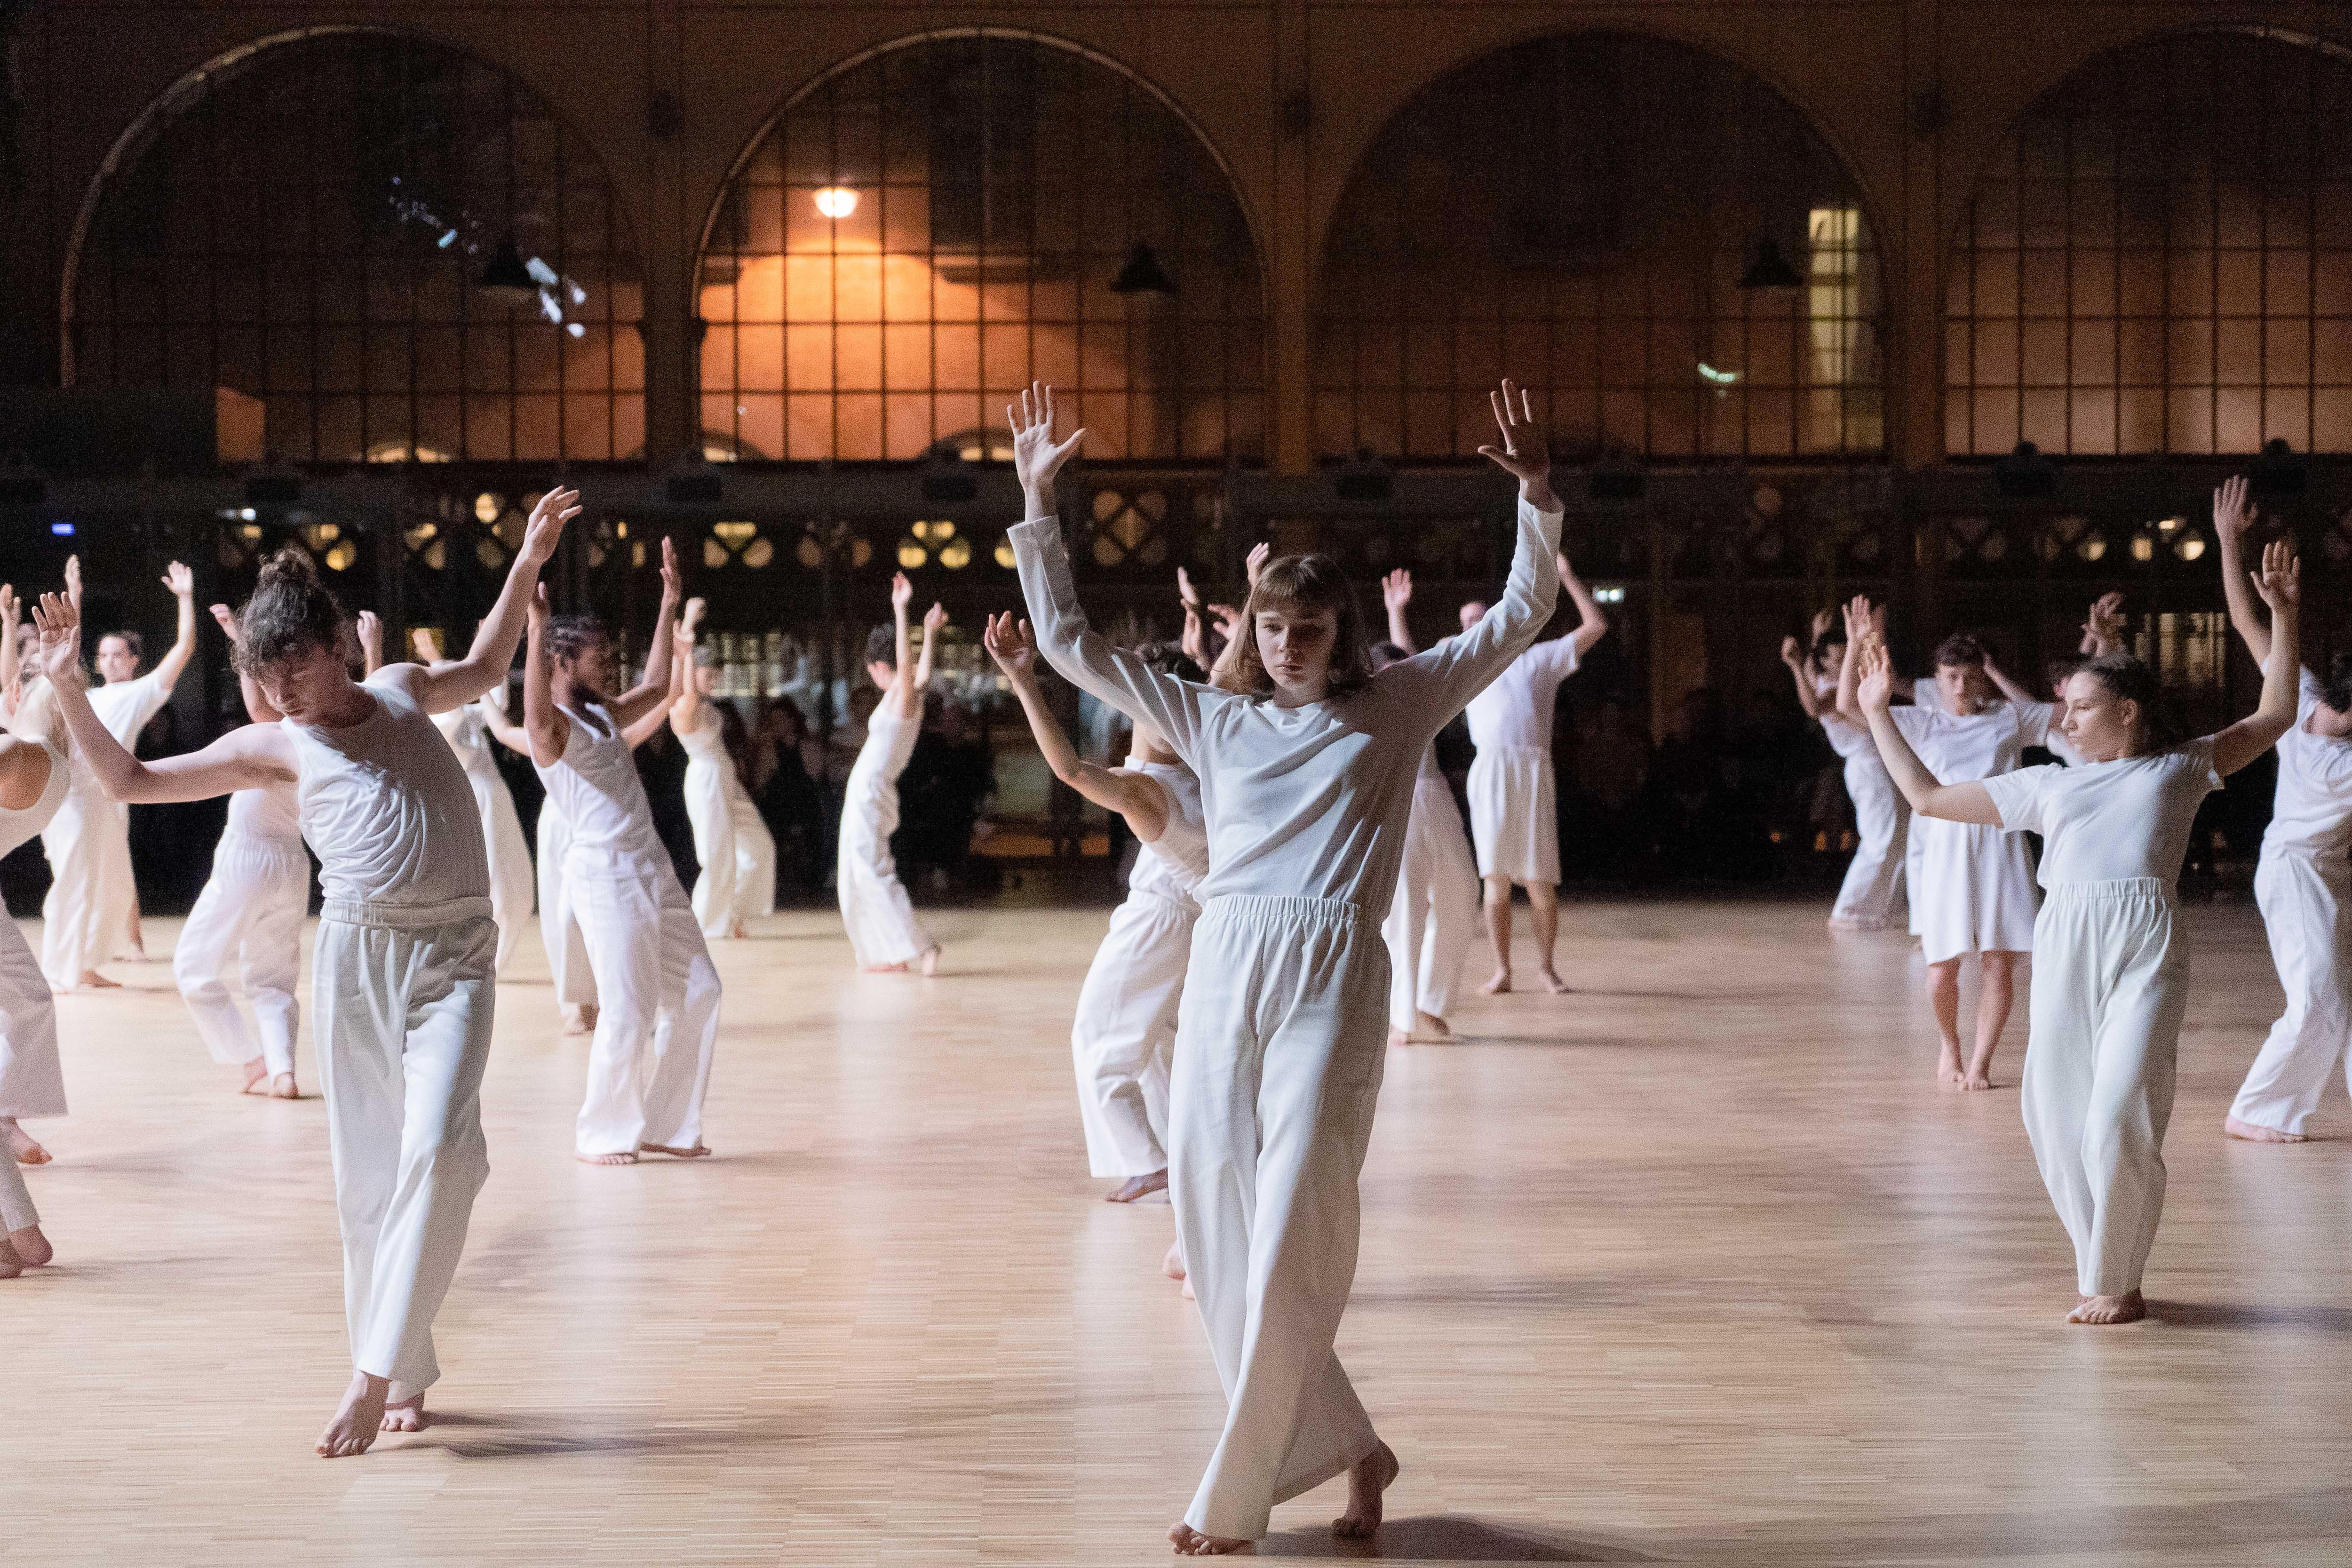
1696 1266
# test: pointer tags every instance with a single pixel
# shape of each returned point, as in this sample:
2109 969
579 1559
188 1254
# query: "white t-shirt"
1960 749
1516 710
2311 812
2105 822
125 707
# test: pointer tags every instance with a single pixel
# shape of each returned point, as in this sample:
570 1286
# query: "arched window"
399 249
1649 237
2158 258
929 229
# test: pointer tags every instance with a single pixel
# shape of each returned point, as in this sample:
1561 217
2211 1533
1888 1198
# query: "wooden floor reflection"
1694 1266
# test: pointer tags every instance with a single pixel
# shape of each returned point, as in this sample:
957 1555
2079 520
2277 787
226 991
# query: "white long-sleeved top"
1307 802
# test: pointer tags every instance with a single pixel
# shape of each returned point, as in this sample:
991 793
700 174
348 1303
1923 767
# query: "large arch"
2156 258
1582 209
1005 184
308 220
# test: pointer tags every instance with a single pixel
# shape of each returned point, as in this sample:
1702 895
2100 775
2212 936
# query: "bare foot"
1498 986
1366 1482
32 1248
359 1419
2127 1309
21 1145
1552 981
1172 1264
408 1415
91 980
256 1078
1191 1543
2255 1132
607 1158
1134 1187
282 1087
698 1152
10 1264
1431 1024
1979 1073
736 932
1398 1036
932 961
580 1018
1947 1066
886 969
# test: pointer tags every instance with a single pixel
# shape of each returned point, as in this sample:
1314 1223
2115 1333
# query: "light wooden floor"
1694 1267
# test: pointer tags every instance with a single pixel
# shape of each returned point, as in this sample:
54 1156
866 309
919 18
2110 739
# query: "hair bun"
289 563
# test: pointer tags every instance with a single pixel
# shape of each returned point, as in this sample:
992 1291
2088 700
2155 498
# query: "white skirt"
1514 814
1974 892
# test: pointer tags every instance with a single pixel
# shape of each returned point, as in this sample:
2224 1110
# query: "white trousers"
28 1016
89 914
559 930
250 911
2110 984
402 1022
510 873
1433 919
1515 813
17 1210
883 931
1123 1037
657 1007
736 851
2303 905
1280 1047
1874 878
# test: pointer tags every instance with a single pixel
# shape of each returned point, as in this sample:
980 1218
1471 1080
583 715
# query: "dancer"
251 910
657 991
1429 923
1874 878
468 730
1305 779
2103 630
403 983
1972 891
883 932
2111 965
33 779
91 914
2302 884
1514 810
736 851
1124 1036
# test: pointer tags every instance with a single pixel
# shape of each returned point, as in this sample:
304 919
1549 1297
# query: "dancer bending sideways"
1307 784
1429 924
468 730
882 932
91 912
2302 883
1874 878
657 989
33 783
736 851
1124 1036
2110 959
1973 887
251 911
402 971
559 930
1514 806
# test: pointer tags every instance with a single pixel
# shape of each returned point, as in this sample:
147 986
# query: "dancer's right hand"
545 530
226 619
1791 653
58 619
1012 646
902 592
2233 514
1036 457
1876 693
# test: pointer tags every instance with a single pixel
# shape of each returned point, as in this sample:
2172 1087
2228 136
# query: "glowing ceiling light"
1719 377
837 201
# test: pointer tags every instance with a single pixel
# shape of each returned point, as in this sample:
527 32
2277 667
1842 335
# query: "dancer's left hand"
545 530
2280 582
1012 645
673 582
57 617
934 619
1396 589
180 580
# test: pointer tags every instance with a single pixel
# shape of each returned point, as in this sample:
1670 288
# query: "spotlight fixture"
836 201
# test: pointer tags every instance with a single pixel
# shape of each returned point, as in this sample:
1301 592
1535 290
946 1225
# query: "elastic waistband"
1246 906
2122 888
1500 753
404 916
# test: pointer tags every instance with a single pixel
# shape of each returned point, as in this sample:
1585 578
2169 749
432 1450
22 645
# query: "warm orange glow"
837 201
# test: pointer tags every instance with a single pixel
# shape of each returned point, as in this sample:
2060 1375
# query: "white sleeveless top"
595 786
1172 865
705 747
272 813
22 826
387 807
468 734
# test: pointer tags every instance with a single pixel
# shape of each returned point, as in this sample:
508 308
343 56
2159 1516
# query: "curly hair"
1291 585
568 636
290 610
2337 691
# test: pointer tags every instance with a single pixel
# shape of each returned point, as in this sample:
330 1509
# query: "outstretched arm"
1808 697
2232 517
1595 625
686 712
174 662
1954 802
652 691
1134 796
1396 595
258 707
2281 586
458 683
7 641
370 627
2009 687
546 730
909 694
649 723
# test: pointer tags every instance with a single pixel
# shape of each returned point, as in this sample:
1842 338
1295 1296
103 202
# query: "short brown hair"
1308 583
1960 651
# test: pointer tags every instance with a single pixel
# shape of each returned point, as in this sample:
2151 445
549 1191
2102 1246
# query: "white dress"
1874 878
1433 919
1974 891
558 927
2110 984
2305 889
93 898
250 913
1124 1036
469 735
883 931
656 990
1514 796
736 851
403 985
31 1080
1282 1035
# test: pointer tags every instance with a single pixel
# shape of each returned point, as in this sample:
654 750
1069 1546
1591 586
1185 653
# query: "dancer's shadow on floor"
466 1437
2319 1319
1445 1538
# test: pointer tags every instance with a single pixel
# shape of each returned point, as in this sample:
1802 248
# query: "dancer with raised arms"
1431 920
468 730
402 981
1306 773
1874 878
33 785
883 932
736 851
2110 955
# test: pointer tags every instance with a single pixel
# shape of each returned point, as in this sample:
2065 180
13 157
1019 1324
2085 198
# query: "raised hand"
1525 451
934 619
427 643
1822 621
1012 646
1260 553
2104 623
545 530
370 627
1229 621
8 609
1037 456
2280 582
695 608
180 580
2233 514
673 585
1859 621
536 612
1791 653
1876 693
902 592
226 619
57 617
73 584
1185 593
1396 590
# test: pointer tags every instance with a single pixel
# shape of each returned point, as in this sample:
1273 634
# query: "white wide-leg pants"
28 1014
401 1003
883 931
657 1007
1279 1052
739 860
510 872
17 1210
89 914
2303 905
1124 1036
559 930
2110 984
1874 878
251 910
1433 919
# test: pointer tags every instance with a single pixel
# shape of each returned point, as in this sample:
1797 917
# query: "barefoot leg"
11 1264
1429 1024
1998 971
1944 1002
1543 913
21 1144
1366 1482
1189 1542
91 980
931 960
256 1078
31 1246
2255 1132
404 1415
282 1087
1134 1187
358 1420
1172 1264
2128 1308
1497 899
